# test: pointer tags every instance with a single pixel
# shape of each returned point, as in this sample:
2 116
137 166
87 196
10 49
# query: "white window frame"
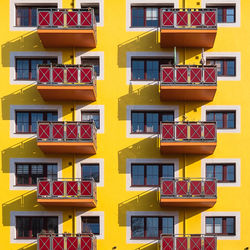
29 54
14 161
14 214
237 163
81 214
14 108
215 108
226 55
222 214
131 3
131 108
148 213
94 108
236 3
142 55
12 11
90 2
91 54
99 161
129 163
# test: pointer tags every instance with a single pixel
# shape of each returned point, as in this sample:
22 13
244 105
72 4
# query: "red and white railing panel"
188 131
188 18
201 242
66 18
188 188
84 241
64 74
188 74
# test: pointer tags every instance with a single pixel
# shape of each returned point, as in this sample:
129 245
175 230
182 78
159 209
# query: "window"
27 173
150 174
94 61
96 10
29 227
90 171
149 122
222 172
92 115
225 67
26 121
225 14
220 225
91 224
26 68
224 119
147 69
151 227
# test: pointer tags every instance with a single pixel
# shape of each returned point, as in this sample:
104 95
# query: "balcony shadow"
149 246
31 246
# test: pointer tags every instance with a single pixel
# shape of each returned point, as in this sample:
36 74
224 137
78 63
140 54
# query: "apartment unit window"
225 14
92 115
28 227
90 171
26 121
93 61
220 225
151 227
147 69
91 224
150 174
225 67
26 68
149 121
27 173
223 119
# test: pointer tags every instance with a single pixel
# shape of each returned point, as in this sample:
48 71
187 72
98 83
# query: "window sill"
144 82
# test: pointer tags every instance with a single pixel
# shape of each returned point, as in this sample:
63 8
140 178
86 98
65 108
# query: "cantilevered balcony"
188 137
188 82
67 137
188 27
66 82
83 241
67 28
188 242
188 192
67 192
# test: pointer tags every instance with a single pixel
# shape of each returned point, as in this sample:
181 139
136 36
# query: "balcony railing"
66 241
188 19
188 242
189 74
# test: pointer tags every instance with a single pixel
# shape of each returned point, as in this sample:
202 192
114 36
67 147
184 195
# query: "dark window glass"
224 119
225 67
222 172
91 224
90 171
94 62
225 14
220 225
92 115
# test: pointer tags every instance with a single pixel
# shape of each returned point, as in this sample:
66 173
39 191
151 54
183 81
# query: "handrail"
65 235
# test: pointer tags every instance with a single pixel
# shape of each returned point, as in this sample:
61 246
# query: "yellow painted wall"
113 146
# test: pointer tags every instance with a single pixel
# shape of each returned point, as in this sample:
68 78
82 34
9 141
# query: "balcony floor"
187 202
67 202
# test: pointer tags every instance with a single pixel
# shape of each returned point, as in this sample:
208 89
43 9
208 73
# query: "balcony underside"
67 202
67 93
191 38
187 202
187 147
87 148
67 38
187 93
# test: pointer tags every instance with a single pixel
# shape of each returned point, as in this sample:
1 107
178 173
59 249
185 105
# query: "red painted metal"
181 131
195 131
209 131
210 75
58 130
72 243
209 243
44 188
58 74
195 243
58 243
86 74
44 74
210 188
85 131
71 131
72 74
181 243
43 131
168 75
181 188
44 18
181 75
86 18
195 188
168 131
195 75
58 188
86 188
44 243
168 18
167 243
86 243
182 18
196 18
72 188
210 18
167 188
57 18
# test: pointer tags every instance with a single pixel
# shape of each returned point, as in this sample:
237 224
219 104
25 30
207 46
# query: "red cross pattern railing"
67 131
188 131
188 18
66 189
83 241
188 242
189 74
66 74
188 188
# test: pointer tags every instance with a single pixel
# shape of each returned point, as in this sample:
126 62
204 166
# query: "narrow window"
91 224
223 119
220 226
90 171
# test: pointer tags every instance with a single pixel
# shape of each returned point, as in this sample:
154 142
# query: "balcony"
67 137
66 192
188 83
188 242
186 192
193 28
188 137
67 28
84 241
66 82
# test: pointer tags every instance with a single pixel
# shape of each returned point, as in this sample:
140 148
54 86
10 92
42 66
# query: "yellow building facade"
130 210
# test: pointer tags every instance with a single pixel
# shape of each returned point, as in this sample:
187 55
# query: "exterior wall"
115 200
